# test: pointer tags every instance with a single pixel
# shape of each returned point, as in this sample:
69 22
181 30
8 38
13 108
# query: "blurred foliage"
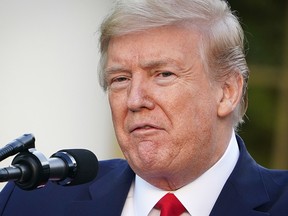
263 23
258 129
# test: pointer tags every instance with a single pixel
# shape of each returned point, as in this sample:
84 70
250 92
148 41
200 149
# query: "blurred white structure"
48 76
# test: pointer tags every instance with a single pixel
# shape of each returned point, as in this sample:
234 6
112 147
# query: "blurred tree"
264 25
280 151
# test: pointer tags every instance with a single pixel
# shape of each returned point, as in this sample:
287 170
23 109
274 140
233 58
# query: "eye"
118 82
119 79
165 77
165 74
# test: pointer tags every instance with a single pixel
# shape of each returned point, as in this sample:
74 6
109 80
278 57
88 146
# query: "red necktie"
169 205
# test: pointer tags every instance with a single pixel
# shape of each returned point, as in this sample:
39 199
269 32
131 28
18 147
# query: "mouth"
143 127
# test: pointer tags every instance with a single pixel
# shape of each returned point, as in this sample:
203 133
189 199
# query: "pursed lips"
143 127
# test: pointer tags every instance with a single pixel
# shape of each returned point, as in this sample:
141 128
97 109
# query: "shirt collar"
199 196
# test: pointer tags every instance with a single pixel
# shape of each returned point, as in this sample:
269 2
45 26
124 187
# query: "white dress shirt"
198 197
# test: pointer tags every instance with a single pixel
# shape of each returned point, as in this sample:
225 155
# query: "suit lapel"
244 191
108 194
231 202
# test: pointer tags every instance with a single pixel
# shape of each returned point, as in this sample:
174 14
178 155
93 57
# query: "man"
176 78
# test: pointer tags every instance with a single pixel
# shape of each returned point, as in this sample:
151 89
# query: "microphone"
22 143
68 167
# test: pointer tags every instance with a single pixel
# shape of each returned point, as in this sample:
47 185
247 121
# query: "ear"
231 95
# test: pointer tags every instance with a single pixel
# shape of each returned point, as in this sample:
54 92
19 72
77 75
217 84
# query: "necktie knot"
169 205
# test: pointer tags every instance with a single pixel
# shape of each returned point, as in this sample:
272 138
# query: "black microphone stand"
30 168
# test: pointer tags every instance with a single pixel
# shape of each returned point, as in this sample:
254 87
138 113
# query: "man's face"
163 103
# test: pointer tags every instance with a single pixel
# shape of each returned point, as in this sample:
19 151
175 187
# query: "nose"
139 95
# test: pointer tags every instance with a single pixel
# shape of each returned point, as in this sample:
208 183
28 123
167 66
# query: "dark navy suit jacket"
251 190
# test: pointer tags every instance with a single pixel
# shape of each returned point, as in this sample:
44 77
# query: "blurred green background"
265 131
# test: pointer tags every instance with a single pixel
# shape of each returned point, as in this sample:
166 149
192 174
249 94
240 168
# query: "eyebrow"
144 65
159 63
115 68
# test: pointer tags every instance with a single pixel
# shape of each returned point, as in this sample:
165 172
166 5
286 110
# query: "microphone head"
85 165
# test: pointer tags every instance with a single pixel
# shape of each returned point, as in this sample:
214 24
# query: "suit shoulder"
113 165
279 177
276 182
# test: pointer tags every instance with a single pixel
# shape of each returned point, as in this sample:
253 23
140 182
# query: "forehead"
162 44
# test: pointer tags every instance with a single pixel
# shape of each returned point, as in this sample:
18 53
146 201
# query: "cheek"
194 112
193 133
117 103
119 113
117 108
